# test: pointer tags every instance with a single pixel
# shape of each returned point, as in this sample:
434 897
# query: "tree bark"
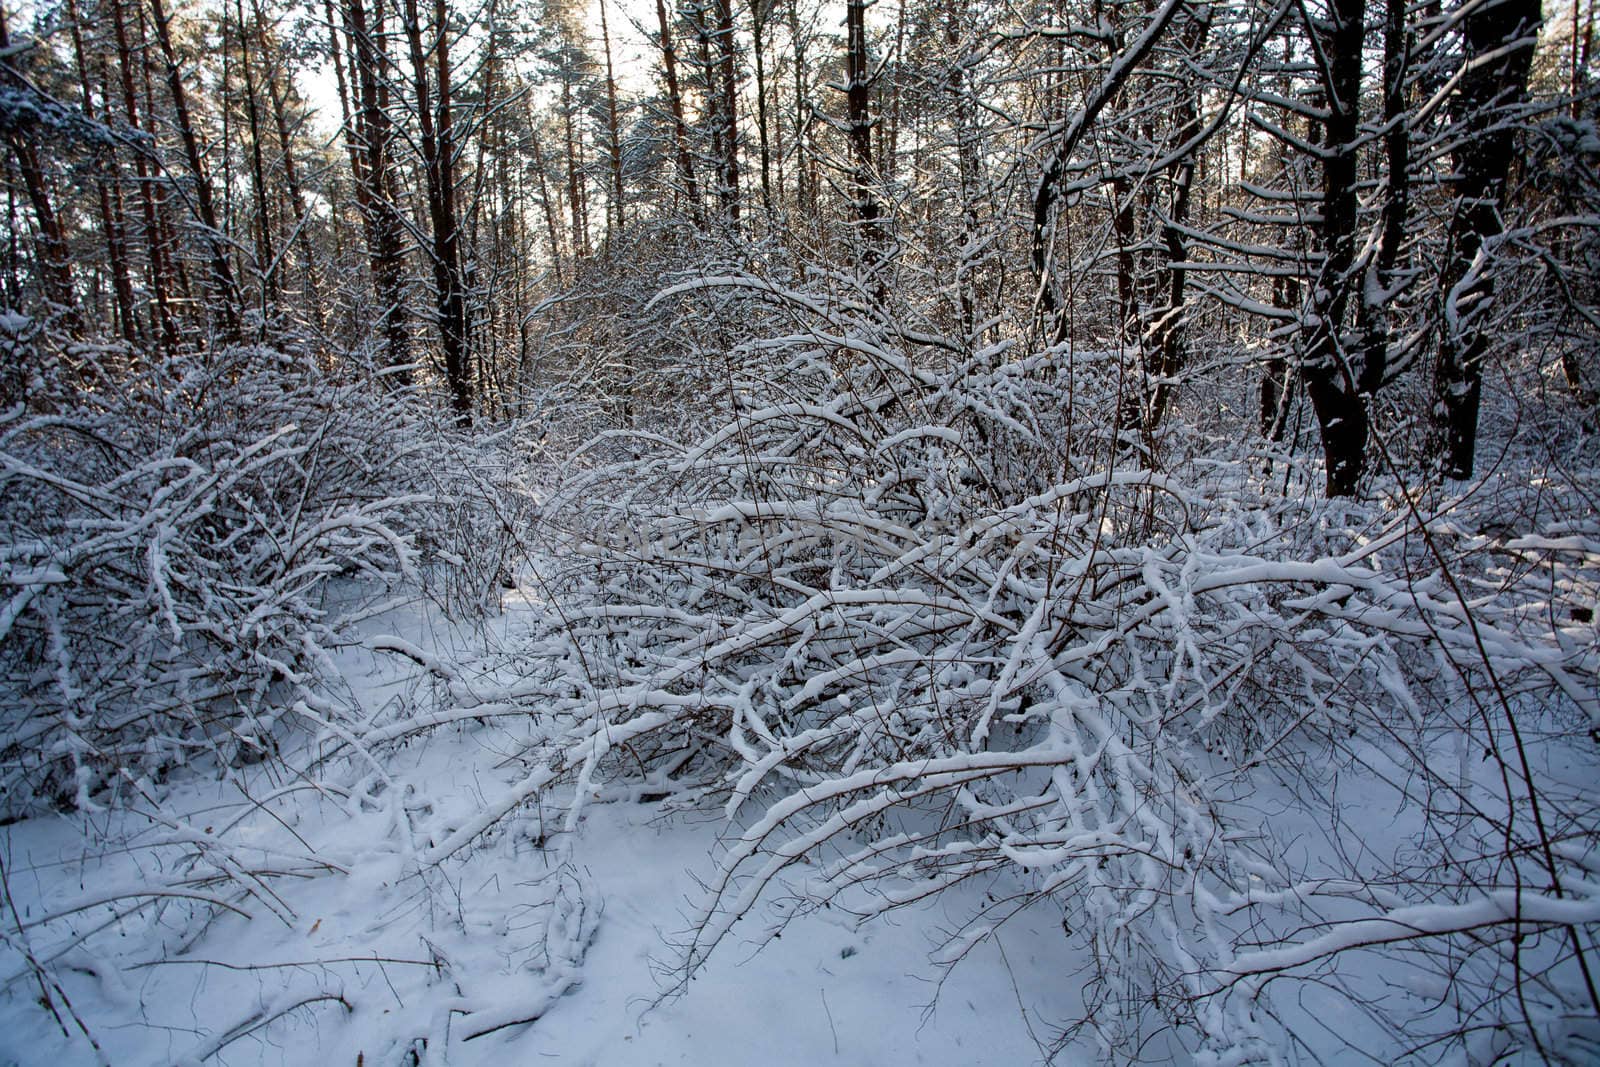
1328 365
438 160
1499 40
223 289
108 191
858 102
680 129
758 35
266 256
613 130
1382 283
1167 349
375 187
163 326
727 112
54 265
575 204
297 198
546 201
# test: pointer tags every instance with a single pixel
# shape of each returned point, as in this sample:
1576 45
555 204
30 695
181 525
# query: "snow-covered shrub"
171 533
909 637
482 499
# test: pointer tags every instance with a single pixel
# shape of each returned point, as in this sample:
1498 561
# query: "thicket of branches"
182 538
1163 704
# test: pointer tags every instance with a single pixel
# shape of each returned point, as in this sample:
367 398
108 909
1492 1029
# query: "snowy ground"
349 956
423 896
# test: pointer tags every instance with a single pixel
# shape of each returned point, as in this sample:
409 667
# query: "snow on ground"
349 956
825 992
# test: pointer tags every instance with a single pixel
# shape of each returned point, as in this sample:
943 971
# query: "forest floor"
1208 770
366 962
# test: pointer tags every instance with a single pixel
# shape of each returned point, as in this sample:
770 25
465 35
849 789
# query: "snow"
825 993
529 946
793 748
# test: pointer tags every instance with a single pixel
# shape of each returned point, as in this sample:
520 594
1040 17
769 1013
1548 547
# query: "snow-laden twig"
903 660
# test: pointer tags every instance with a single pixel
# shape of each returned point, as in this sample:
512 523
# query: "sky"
633 55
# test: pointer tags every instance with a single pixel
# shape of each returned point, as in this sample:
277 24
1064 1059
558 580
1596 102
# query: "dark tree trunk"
51 257
54 265
266 255
297 199
1328 365
1130 407
580 228
967 163
1165 353
680 128
375 187
1499 43
164 326
1381 289
758 42
547 202
805 178
438 160
177 269
613 129
727 89
224 291
858 100
107 190
1276 383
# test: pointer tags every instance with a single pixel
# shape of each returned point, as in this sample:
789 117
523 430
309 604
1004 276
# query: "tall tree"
371 138
722 87
437 121
262 189
680 128
1498 42
53 260
108 186
613 130
133 59
223 290
1330 367
858 102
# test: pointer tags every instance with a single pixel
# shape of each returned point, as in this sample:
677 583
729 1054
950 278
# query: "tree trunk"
266 256
223 289
758 35
54 264
967 162
727 112
297 199
1276 384
551 229
177 269
1166 347
52 259
1381 287
1499 42
1328 366
805 179
108 191
438 160
375 187
858 101
163 326
580 228
680 129
615 218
